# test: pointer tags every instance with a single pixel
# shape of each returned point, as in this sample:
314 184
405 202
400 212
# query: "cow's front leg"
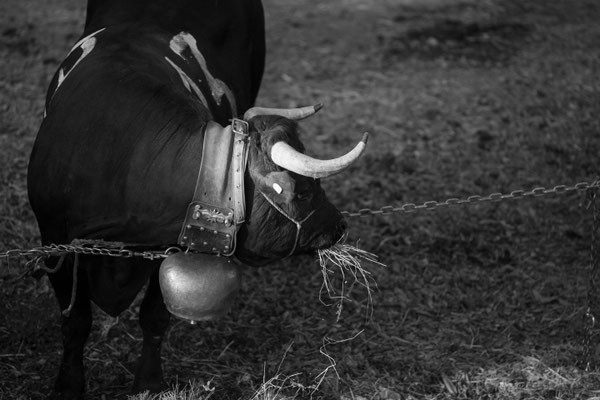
70 382
154 320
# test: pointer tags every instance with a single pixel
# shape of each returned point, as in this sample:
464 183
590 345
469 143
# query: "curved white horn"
291 159
289 113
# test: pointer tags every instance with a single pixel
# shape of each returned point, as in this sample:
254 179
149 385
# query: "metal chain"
113 249
87 247
116 249
494 197
591 336
590 339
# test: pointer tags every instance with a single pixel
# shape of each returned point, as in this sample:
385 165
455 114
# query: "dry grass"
345 261
477 303
271 389
192 391
278 387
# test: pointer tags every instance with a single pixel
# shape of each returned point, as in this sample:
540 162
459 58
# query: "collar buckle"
240 127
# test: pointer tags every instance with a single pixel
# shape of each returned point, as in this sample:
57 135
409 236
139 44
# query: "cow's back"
117 153
232 32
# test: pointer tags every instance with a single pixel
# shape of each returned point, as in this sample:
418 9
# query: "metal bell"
198 287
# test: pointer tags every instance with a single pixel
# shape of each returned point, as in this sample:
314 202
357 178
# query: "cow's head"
287 210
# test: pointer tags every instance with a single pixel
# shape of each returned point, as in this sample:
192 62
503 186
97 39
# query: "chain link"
87 247
476 199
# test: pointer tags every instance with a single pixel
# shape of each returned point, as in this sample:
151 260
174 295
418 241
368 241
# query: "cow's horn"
289 113
289 158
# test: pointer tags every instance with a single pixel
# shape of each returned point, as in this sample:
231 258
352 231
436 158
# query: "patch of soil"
18 39
454 40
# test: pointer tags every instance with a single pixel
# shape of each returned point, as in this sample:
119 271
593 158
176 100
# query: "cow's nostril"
341 227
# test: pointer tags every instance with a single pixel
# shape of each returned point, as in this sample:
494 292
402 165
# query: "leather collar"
218 207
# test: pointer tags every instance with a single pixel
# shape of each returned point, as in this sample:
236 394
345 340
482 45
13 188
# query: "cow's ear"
279 185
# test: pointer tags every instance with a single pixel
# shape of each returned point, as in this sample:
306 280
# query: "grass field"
461 97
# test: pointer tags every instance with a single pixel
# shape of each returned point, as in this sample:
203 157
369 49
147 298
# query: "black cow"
118 152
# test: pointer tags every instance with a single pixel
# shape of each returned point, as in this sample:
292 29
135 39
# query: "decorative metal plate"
209 229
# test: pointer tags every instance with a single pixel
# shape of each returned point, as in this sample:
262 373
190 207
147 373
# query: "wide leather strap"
218 207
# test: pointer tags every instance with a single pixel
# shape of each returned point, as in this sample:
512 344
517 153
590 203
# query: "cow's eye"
303 196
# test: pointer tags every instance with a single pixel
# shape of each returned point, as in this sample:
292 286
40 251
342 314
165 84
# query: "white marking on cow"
86 48
182 41
82 40
86 44
277 188
189 84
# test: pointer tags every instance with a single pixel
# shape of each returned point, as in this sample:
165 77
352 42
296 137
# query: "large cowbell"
198 287
201 283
